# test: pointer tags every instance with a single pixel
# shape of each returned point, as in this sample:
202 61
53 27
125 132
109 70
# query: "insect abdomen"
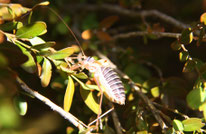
114 88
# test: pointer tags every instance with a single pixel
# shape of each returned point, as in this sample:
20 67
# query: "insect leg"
100 103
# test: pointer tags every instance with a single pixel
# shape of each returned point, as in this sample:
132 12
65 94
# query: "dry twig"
128 13
79 124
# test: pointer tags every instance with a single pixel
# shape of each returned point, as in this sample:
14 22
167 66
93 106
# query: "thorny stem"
76 122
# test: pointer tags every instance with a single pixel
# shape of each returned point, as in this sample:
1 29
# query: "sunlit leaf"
45 3
90 100
186 37
81 75
177 124
183 56
86 86
44 45
108 21
70 130
12 11
68 96
203 18
142 132
21 105
61 54
155 91
36 40
32 30
195 98
46 73
192 124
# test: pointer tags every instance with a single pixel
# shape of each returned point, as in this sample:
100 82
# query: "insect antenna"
75 37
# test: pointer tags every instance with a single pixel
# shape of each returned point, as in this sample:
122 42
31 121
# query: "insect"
105 77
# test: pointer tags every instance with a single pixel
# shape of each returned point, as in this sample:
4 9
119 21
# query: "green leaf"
9 26
36 40
183 56
29 65
192 124
189 66
86 86
46 73
186 36
155 91
195 98
21 105
61 54
44 45
68 96
90 100
32 30
177 124
81 75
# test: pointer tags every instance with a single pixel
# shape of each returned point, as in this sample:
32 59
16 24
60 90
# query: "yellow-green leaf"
192 124
155 91
68 96
46 73
177 124
90 100
32 30
21 105
203 18
81 75
61 54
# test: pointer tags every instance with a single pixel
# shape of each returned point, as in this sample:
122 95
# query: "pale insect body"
106 78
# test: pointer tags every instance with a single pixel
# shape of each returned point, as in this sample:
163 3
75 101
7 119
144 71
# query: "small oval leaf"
177 124
192 124
90 100
21 105
155 91
61 54
32 30
46 73
81 75
68 96
195 98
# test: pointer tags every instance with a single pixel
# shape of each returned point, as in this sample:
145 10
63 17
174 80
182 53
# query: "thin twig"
137 89
79 124
116 121
127 12
142 33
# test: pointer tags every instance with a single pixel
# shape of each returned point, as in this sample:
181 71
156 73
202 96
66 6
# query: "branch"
79 124
142 33
128 13
142 96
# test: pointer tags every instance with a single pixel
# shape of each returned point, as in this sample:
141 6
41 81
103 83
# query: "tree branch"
79 124
128 13
142 33
142 96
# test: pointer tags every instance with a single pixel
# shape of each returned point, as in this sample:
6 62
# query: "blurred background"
98 29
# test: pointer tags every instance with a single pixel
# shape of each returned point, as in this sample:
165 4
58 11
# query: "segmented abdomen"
114 88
